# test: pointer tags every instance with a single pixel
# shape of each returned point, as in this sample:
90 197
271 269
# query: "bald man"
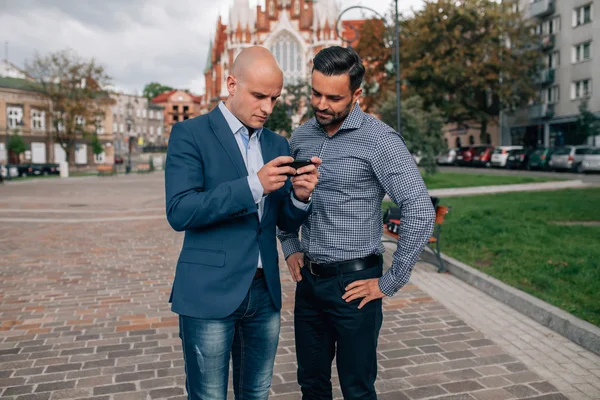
228 190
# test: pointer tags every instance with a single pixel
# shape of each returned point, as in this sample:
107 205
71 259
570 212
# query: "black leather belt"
259 273
344 267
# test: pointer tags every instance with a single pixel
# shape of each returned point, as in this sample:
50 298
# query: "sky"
137 41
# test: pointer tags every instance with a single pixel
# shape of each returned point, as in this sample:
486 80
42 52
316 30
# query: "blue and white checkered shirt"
362 162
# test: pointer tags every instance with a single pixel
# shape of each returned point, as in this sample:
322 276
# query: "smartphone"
297 164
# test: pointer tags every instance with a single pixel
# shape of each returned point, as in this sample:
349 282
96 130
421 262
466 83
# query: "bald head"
256 61
254 85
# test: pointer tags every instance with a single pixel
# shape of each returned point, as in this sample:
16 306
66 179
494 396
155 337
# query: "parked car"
417 157
464 156
517 159
9 171
30 169
540 158
448 158
591 161
569 158
500 155
119 160
482 156
51 169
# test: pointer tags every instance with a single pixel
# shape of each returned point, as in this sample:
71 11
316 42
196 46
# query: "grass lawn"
443 180
510 237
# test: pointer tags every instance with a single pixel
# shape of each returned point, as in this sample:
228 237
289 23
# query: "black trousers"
327 326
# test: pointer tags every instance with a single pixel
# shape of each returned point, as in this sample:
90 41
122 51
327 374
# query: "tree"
73 88
153 89
16 144
587 124
375 47
280 120
421 129
297 98
468 58
97 147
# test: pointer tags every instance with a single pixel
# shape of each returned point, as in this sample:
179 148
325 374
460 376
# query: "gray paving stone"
108 333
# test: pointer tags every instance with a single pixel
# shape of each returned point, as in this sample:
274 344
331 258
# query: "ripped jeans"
250 335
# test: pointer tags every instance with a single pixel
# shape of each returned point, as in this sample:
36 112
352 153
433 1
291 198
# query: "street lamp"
396 48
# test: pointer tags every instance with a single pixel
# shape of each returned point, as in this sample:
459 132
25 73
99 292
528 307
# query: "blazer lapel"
225 136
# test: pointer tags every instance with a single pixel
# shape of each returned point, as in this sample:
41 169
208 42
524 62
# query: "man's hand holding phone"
273 174
306 179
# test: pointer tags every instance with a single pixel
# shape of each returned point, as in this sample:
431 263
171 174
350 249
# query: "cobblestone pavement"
84 312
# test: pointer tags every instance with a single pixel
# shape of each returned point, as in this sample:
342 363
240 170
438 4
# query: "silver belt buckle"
310 268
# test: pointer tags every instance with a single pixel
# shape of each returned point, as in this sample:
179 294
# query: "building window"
488 139
79 121
582 15
38 119
471 140
100 125
176 108
175 118
15 116
553 60
581 89
151 131
121 128
288 52
271 8
297 7
551 26
159 130
186 109
144 113
100 158
458 142
552 95
137 112
151 114
582 52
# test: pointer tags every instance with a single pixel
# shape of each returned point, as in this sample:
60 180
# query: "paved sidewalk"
574 370
521 187
84 312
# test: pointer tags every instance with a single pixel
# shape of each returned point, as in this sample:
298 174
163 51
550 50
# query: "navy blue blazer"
208 197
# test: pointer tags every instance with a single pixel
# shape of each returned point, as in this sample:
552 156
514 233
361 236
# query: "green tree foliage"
153 89
75 94
421 129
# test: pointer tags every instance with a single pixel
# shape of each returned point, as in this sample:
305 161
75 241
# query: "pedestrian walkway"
84 314
572 369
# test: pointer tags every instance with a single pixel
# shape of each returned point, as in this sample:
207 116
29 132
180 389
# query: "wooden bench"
142 168
106 169
391 228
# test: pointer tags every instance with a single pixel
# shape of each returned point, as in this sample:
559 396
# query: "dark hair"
336 60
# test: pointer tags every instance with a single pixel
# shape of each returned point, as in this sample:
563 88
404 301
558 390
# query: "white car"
569 158
500 155
591 161
447 158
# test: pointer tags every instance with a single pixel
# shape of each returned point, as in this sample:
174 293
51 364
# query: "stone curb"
577 330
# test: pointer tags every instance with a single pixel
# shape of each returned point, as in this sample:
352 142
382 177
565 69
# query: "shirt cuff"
298 203
387 284
256 188
291 246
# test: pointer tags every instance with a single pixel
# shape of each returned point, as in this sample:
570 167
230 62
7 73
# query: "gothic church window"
288 52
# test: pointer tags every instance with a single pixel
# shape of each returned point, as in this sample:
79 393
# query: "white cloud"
138 41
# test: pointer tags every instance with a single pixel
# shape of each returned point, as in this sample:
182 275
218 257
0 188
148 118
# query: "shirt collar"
353 120
234 124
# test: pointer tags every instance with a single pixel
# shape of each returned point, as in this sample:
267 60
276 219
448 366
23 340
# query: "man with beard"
338 264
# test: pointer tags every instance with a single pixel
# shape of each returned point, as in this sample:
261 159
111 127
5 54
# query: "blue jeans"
250 335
